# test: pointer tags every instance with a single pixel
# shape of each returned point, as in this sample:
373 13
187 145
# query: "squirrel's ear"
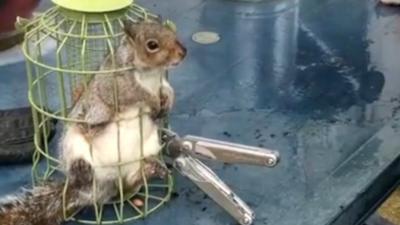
170 25
129 28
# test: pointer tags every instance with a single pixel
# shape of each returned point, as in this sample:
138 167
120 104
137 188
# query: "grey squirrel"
111 135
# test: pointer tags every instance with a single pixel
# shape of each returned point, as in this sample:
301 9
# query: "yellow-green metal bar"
131 19
121 23
74 72
84 30
117 213
61 22
84 27
52 30
35 157
43 152
97 210
61 86
138 9
145 184
107 27
135 208
50 14
60 76
144 16
64 198
150 196
43 101
110 28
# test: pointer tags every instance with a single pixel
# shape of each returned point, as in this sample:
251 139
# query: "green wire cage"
81 32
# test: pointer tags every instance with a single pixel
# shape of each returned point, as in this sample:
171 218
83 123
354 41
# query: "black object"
16 135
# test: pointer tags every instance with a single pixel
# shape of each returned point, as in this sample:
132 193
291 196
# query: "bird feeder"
81 32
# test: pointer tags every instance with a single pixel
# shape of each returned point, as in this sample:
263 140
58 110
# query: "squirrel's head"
150 45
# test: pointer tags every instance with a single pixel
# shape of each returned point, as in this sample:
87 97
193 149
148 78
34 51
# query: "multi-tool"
184 150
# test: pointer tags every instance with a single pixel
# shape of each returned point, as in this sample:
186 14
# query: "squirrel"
120 127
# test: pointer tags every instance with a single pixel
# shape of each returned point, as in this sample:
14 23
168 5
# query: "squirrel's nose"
182 50
182 53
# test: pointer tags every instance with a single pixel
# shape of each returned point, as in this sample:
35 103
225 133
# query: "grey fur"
105 92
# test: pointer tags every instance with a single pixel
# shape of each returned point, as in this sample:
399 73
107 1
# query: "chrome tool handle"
215 188
229 152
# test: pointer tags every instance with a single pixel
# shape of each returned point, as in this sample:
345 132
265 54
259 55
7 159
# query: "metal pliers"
184 151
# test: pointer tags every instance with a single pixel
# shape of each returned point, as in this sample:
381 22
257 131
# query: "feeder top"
93 6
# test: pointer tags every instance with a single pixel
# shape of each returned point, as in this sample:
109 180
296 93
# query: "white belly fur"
105 152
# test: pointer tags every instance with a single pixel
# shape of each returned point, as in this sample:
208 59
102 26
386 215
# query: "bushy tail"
45 204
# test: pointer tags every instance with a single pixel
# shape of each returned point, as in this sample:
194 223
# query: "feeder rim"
93 6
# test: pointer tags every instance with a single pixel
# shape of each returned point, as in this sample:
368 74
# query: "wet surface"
317 80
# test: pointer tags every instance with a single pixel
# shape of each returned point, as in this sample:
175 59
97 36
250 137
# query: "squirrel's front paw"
154 168
155 110
80 173
166 100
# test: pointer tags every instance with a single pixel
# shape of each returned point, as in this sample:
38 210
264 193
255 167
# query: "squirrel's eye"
152 45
